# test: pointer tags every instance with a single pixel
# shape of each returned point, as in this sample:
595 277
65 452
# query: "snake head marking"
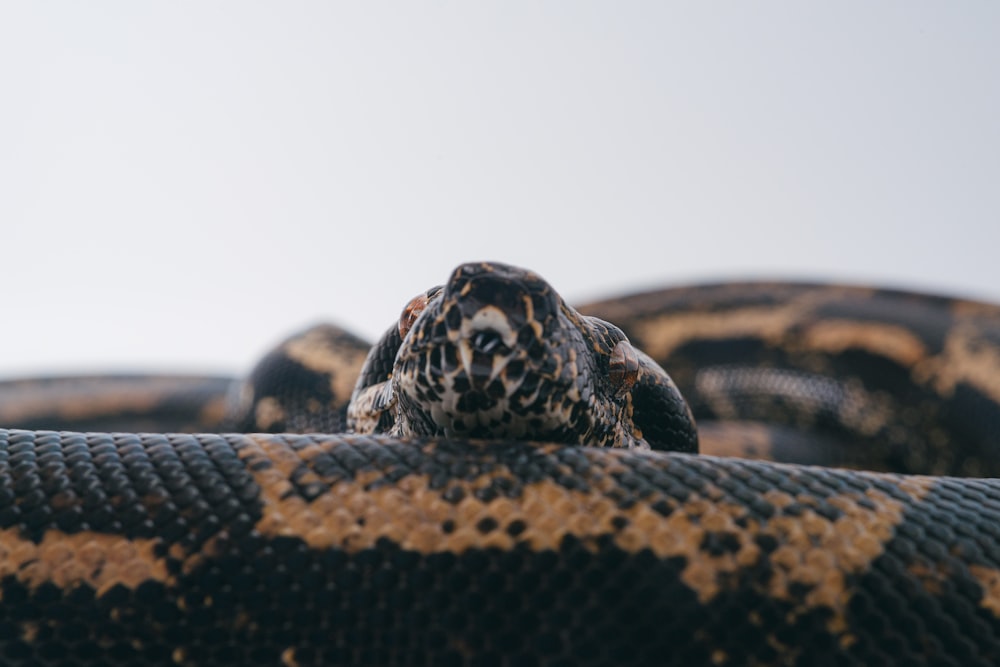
496 353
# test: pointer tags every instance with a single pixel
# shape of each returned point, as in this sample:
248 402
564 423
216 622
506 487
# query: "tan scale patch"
413 515
663 334
660 334
812 550
887 340
316 352
268 412
964 308
66 560
819 553
963 360
288 658
214 412
989 579
735 439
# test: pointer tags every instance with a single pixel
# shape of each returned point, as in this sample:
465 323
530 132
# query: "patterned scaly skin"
330 549
496 353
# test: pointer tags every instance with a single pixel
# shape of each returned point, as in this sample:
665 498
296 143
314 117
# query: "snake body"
281 549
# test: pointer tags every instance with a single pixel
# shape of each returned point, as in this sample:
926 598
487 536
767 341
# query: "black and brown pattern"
332 549
496 353
301 550
895 380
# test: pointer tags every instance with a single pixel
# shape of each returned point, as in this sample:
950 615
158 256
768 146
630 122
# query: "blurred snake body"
459 524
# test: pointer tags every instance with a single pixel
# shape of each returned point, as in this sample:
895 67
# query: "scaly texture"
307 550
300 550
496 353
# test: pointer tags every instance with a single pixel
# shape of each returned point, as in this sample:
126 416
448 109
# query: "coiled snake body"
281 549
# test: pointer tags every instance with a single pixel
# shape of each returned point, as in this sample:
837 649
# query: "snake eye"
410 313
623 367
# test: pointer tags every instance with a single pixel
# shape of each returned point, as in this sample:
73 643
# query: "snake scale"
422 544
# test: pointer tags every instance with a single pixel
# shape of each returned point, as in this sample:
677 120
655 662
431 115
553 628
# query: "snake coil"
437 547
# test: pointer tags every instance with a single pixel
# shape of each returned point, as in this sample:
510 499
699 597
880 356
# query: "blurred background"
183 184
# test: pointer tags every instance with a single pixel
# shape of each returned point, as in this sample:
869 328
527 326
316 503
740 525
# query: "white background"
182 184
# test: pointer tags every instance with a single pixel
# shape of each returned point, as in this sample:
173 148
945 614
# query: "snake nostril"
488 341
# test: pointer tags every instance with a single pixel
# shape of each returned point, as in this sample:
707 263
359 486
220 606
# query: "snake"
760 473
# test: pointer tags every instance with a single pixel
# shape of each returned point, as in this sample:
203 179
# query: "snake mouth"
485 346
510 297
489 341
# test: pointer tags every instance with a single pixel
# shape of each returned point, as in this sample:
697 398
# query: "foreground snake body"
433 549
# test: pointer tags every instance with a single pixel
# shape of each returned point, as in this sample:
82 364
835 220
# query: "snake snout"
496 353
522 297
496 314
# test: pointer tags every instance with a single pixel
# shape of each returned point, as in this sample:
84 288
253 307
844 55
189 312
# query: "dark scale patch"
951 510
435 359
718 543
496 390
828 511
661 415
876 372
527 388
695 356
487 494
938 615
439 331
450 353
482 362
662 507
487 525
134 486
974 419
293 386
916 624
381 364
514 369
474 401
516 527
305 483
453 495
767 543
453 317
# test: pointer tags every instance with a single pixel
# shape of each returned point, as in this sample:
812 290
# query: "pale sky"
183 184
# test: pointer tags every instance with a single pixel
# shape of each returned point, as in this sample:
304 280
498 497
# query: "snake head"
496 353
